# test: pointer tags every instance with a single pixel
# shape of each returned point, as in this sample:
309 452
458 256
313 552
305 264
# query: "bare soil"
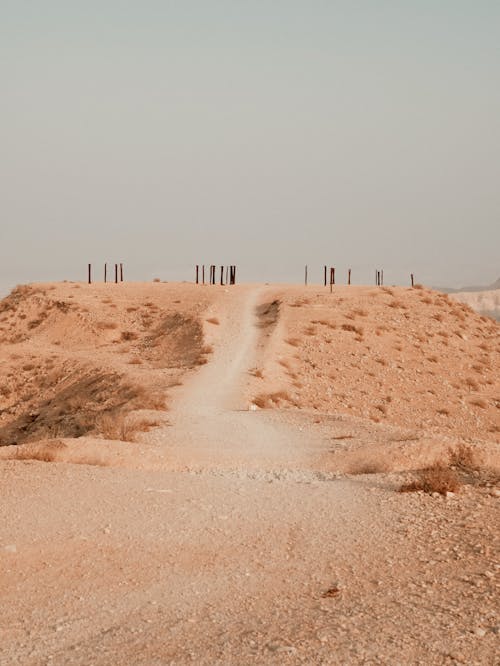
255 518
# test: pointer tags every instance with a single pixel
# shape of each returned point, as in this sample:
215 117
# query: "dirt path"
212 425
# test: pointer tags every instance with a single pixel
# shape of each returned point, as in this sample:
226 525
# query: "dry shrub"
443 411
135 361
353 329
293 342
119 426
464 457
439 478
79 400
256 372
213 320
106 325
43 452
265 400
156 280
128 335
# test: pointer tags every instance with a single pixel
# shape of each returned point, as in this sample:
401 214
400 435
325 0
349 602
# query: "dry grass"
106 325
213 320
256 372
293 342
267 400
439 478
464 457
120 426
43 452
128 335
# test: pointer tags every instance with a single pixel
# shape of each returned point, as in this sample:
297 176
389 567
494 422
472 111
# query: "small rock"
450 494
253 407
479 632
495 492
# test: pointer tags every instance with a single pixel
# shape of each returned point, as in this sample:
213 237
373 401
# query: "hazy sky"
266 134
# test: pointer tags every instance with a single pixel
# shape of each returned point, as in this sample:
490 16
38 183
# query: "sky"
269 135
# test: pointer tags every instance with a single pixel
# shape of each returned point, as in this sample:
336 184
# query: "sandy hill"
77 359
80 360
241 452
411 357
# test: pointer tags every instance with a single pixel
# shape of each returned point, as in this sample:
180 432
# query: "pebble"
495 492
479 632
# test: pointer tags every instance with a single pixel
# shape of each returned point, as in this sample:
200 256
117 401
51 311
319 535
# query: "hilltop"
196 474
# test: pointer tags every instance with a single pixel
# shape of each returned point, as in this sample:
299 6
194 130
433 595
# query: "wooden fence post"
305 276
90 273
121 272
412 283
222 276
203 274
349 276
324 276
116 273
197 274
105 273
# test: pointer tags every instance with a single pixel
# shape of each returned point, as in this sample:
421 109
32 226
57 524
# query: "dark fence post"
90 273
116 273
412 283
197 274
121 272
305 276
349 276
105 273
222 276
324 276
203 273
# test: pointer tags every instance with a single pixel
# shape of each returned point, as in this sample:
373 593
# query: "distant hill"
449 290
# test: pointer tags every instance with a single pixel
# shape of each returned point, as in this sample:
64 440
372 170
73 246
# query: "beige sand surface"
253 517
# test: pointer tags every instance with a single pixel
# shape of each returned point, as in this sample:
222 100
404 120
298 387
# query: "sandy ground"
230 534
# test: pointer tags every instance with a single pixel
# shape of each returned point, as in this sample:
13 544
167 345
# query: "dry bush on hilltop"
439 478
